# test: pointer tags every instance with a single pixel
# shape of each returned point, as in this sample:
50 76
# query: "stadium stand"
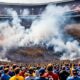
34 10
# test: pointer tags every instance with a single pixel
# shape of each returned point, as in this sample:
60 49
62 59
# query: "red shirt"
22 73
51 76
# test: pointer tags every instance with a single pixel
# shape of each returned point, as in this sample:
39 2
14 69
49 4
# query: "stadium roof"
33 1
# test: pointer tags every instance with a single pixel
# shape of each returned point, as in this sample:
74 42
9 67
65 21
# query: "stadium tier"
28 12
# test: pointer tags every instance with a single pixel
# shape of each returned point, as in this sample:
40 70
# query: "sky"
30 1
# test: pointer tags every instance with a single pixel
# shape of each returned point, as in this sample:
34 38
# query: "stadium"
40 40
25 14
34 10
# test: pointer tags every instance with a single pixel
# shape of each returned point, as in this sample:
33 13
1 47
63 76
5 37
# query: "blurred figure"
37 70
56 69
1 70
74 75
22 72
50 74
31 75
63 74
17 77
5 75
11 72
41 75
78 69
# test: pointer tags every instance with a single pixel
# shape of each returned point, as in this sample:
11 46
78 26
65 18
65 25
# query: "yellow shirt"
17 77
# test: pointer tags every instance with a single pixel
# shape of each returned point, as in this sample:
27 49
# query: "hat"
41 71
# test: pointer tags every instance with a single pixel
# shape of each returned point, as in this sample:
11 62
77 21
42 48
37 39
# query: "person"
50 74
31 74
5 75
17 76
78 69
37 71
63 74
56 69
11 71
41 73
22 72
74 75
1 70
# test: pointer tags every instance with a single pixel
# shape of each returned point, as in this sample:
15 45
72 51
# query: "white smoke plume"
47 29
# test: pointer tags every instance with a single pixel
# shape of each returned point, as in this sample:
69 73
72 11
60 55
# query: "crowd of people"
38 72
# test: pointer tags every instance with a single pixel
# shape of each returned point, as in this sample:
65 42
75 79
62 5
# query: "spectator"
63 74
1 70
17 77
5 75
31 75
50 74
22 72
11 72
42 77
74 75
78 69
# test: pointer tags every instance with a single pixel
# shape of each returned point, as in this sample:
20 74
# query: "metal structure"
35 10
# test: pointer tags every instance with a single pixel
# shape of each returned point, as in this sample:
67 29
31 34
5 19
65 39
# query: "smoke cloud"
46 30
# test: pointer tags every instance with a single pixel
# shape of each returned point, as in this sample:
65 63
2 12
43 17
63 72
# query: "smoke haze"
46 30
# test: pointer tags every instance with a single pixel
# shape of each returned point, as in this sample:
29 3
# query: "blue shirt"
5 77
73 78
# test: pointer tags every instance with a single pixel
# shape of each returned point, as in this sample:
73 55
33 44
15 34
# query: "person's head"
14 66
50 67
11 69
63 67
41 71
17 70
31 70
6 70
23 69
74 72
6 66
